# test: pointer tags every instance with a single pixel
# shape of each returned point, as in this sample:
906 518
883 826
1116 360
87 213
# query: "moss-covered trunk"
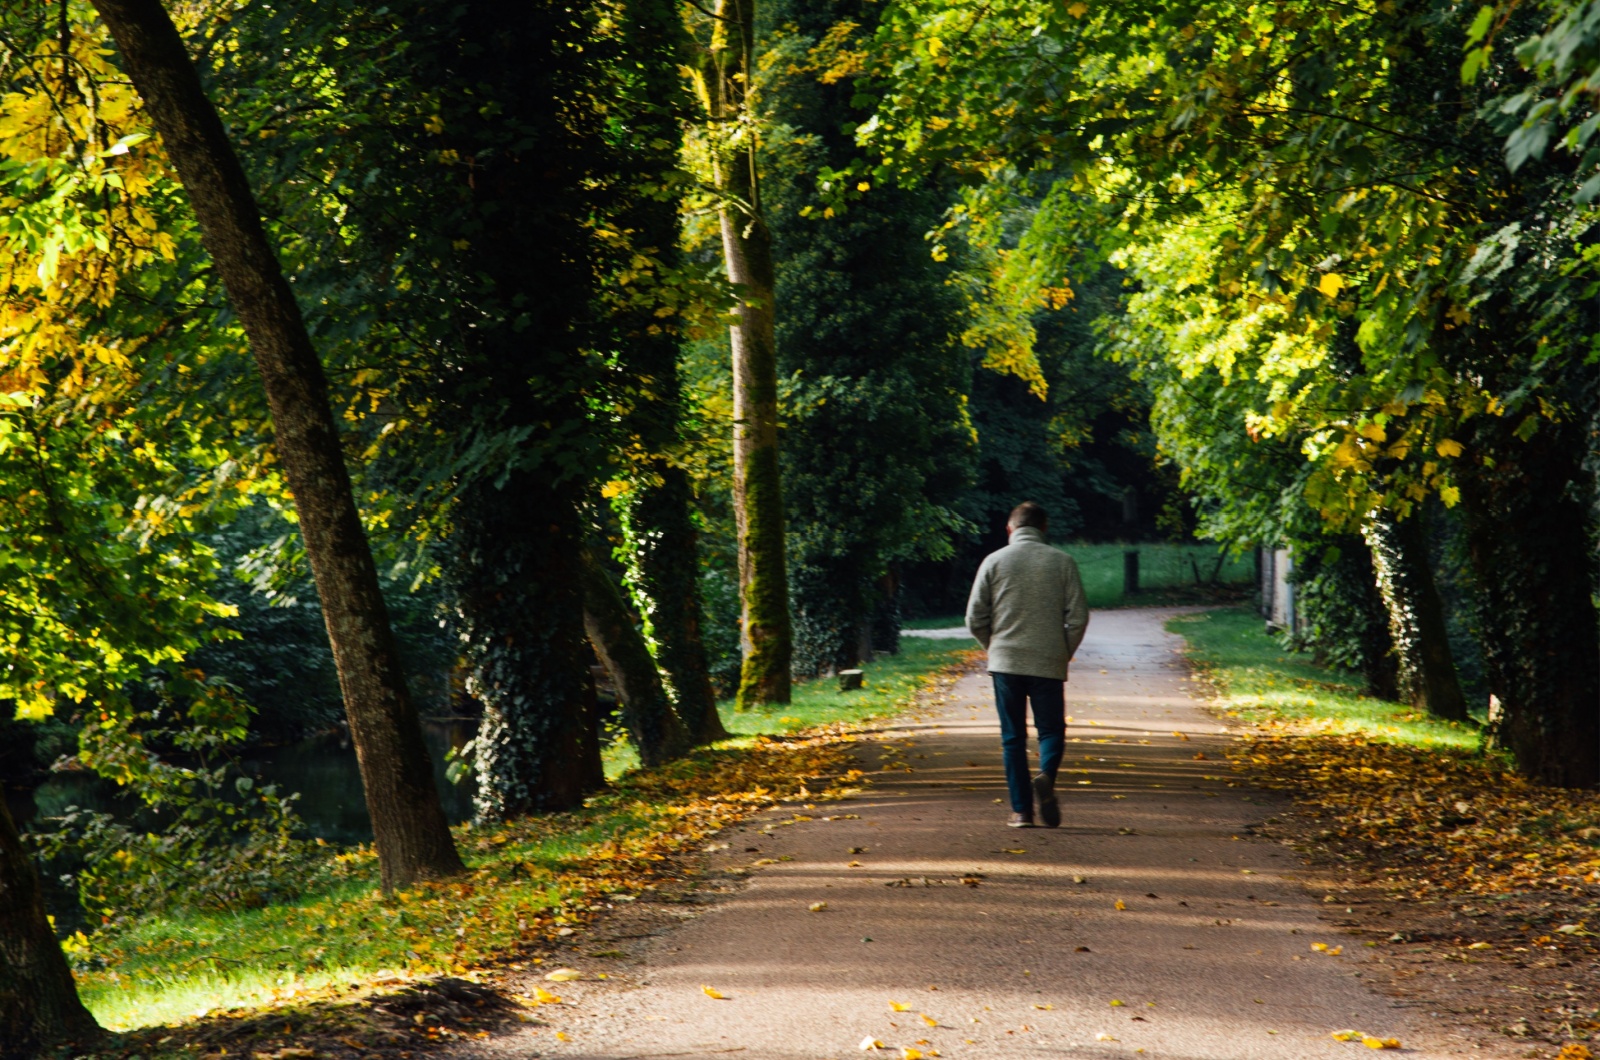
39 1004
757 480
1428 678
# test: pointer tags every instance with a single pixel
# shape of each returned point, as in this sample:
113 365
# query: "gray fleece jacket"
1027 607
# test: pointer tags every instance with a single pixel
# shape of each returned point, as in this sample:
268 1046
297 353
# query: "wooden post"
1130 572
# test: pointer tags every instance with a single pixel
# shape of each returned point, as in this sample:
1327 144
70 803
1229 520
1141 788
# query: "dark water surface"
322 769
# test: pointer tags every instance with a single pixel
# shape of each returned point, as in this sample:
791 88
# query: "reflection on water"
322 769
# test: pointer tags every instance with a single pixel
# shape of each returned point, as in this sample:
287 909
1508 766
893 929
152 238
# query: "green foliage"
1340 617
206 838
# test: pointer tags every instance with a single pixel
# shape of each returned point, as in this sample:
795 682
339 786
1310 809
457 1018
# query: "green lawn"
1260 681
530 878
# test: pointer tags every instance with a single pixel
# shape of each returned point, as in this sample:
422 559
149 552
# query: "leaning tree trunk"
757 481
1416 615
39 1004
408 823
663 577
1528 542
512 546
647 711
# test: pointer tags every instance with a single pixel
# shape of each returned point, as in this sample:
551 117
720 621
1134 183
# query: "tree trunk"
1416 615
766 633
1528 541
39 1004
664 580
512 546
647 712
409 827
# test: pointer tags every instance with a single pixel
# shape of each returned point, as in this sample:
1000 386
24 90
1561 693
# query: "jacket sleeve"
1075 609
980 607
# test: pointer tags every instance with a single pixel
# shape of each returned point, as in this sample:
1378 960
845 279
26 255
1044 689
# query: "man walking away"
1028 609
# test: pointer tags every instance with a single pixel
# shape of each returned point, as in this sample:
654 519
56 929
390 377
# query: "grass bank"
1260 682
532 884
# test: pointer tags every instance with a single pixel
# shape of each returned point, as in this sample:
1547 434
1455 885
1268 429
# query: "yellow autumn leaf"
1320 947
1374 432
929 1020
1448 447
713 993
1481 946
1347 1036
817 907
561 1036
541 996
1016 850
1103 1037
896 1006
1331 284
564 975
1045 1008
1116 1004
908 1053
1372 1042
869 1043
1120 905
1334 951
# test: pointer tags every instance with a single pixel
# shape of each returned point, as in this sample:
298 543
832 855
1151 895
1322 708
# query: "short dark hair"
1028 514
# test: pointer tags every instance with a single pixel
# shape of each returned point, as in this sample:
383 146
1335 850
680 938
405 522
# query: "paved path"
1152 923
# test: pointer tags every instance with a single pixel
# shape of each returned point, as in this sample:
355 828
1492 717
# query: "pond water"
322 769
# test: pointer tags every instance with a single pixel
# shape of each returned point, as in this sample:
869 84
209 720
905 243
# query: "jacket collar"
1027 533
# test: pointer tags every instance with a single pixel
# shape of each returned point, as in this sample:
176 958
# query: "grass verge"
1442 857
531 883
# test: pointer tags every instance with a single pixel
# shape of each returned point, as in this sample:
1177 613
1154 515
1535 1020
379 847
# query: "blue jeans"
1012 694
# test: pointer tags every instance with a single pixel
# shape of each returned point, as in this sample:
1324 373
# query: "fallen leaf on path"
1083 949
869 1044
929 1020
1120 904
1182 736
1347 1036
1575 1051
1380 1043
541 996
817 907
1199 756
896 1006
1481 946
561 1036
1116 1004
1015 850
908 1053
1080 879
1104 1038
713 993
853 865
563 975
1045 1008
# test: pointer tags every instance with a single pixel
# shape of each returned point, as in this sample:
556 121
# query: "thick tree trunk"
39 1004
1528 541
412 836
536 749
1416 615
664 580
647 711
766 632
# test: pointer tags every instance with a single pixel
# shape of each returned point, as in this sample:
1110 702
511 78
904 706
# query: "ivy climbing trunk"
1528 542
663 577
647 713
766 634
511 546
1417 625
409 827
39 1004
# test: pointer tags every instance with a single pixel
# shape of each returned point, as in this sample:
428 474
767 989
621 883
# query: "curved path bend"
1152 923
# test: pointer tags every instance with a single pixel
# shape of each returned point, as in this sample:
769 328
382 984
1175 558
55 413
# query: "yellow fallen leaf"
713 993
817 907
1334 951
1121 904
1016 850
869 1043
541 996
561 1036
1116 1004
1347 1036
895 1006
908 1053
1045 1008
1104 1038
1380 1043
564 975
1321 947
1480 946
1575 1051
929 1020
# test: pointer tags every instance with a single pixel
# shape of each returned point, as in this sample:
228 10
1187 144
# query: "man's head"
1028 514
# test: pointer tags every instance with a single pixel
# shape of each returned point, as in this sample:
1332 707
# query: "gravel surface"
1152 923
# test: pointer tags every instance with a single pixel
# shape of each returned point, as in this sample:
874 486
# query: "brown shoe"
1020 820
